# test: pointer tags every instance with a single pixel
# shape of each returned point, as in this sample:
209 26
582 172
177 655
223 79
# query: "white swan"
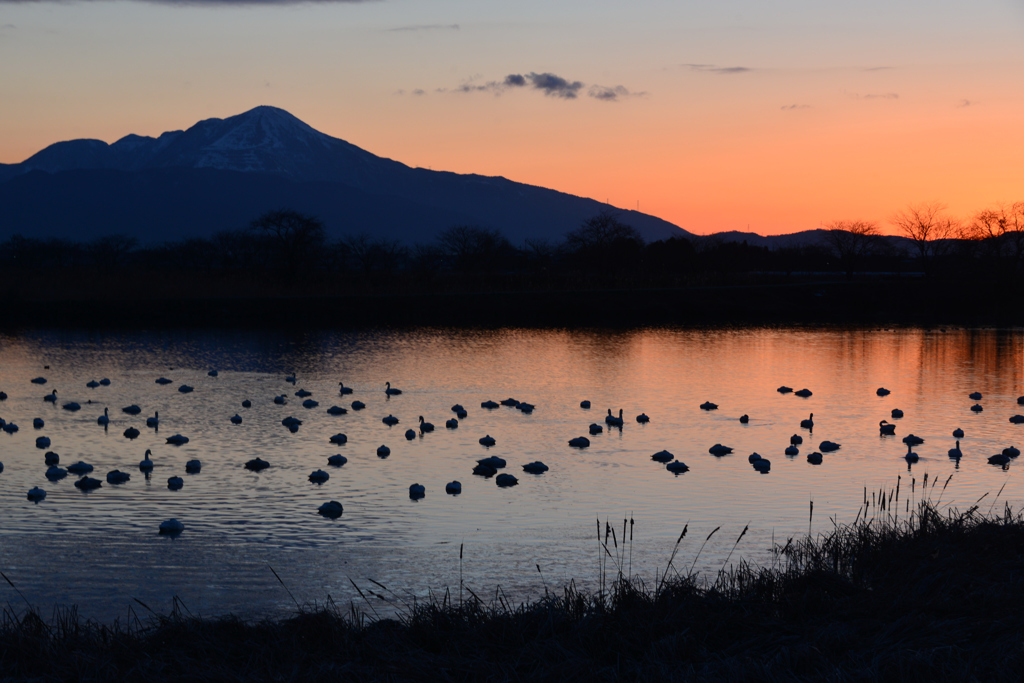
391 392
51 397
955 452
103 419
146 465
153 421
425 426
808 423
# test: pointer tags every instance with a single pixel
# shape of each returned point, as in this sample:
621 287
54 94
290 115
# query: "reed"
931 595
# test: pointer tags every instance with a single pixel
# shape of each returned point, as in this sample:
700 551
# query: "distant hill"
221 173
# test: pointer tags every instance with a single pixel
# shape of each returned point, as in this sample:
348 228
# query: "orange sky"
737 115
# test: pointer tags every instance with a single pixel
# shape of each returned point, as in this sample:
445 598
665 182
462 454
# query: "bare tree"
294 237
1000 231
601 232
851 241
932 233
468 248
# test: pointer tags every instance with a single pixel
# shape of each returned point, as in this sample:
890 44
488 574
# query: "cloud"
725 70
876 68
548 83
614 94
552 85
964 103
515 80
419 91
426 27
878 96
791 107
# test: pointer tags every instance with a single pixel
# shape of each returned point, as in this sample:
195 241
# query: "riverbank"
915 595
749 301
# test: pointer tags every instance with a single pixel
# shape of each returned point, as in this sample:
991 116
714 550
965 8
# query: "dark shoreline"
925 595
886 303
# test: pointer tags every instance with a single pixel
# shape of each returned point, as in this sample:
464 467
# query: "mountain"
221 173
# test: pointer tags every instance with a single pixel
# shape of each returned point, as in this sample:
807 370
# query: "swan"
80 468
36 494
808 423
999 459
974 396
153 421
955 452
896 413
457 408
3 395
579 442
338 439
383 451
719 450
51 458
762 465
535 467
72 406
10 427
92 384
302 393
390 420
51 397
117 477
886 428
484 470
131 410
792 451
236 419
103 419
193 466
43 442
677 467
596 428
492 461
417 491
309 403
977 408
911 456
290 378
489 405
912 440
487 441
525 407
612 420
39 424
796 440
708 405
177 440
38 380
336 410
410 434
882 391
391 392
291 421
814 458
1020 399
803 393
1011 452
212 373
663 456
643 419
826 446
958 433
753 457
585 405
163 380
247 403
54 473
333 509
318 476
146 465
784 389
1017 419
185 389
175 483
453 487
511 402
280 400
425 426
337 460
105 382
744 419
131 433
171 527
505 480
343 389
88 483
358 405
451 424
257 464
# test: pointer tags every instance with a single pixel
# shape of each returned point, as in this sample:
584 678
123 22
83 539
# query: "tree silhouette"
294 238
851 241
932 234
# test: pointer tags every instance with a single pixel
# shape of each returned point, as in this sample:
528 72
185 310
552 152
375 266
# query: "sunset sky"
730 115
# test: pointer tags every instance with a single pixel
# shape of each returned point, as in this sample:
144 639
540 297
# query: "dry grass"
910 591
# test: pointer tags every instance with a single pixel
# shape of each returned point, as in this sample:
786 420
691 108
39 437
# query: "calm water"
101 549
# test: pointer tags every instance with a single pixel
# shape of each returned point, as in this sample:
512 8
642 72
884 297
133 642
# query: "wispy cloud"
551 85
791 107
714 69
876 68
876 96
965 103
426 27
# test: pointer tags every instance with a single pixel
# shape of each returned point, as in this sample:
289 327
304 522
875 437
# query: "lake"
100 549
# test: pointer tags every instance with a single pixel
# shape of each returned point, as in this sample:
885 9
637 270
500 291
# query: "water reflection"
237 519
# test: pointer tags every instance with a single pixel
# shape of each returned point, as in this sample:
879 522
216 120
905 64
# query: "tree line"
286 245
